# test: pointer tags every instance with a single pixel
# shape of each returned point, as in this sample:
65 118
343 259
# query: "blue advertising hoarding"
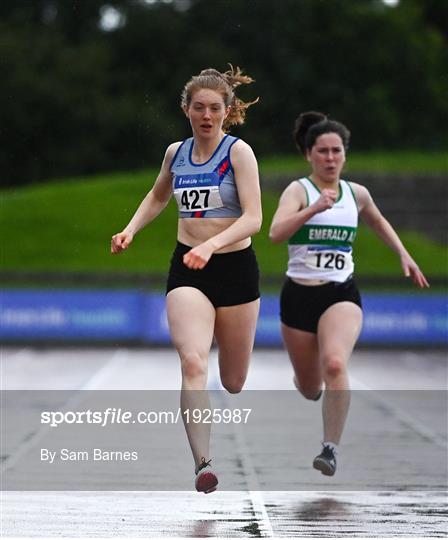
134 316
68 314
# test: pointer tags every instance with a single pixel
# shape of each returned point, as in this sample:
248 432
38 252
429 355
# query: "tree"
75 99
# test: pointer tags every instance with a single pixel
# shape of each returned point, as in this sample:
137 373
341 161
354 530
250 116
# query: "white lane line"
399 413
250 476
23 355
97 379
93 383
25 352
255 495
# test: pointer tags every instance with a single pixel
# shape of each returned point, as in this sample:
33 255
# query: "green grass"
67 226
368 162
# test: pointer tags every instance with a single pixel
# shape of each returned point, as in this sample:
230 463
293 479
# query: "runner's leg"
338 330
235 333
303 352
191 318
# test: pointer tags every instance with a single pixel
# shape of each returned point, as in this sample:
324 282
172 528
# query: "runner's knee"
194 365
334 366
233 384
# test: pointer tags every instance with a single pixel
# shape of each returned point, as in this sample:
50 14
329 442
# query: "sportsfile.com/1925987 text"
113 415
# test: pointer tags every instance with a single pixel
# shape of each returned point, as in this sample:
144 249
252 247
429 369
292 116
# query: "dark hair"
224 83
310 125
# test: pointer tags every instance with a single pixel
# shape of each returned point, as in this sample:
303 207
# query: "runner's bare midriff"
195 231
310 282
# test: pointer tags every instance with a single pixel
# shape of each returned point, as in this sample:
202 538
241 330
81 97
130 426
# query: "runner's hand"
411 269
198 256
326 200
120 242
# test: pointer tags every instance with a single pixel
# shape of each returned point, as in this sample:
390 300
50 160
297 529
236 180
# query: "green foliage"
67 226
411 161
75 99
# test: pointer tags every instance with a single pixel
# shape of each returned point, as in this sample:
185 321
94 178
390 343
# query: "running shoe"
206 479
325 462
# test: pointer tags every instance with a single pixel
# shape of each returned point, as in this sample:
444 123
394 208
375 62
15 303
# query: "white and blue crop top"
206 189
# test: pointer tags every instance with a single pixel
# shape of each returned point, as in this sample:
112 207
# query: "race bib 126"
329 260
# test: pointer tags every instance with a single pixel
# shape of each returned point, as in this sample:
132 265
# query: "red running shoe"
206 479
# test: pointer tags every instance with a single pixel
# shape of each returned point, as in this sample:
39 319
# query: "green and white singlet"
322 247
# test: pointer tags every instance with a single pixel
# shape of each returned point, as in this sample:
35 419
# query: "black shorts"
228 279
301 306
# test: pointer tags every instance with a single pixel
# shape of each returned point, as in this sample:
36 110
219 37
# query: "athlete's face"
207 112
327 157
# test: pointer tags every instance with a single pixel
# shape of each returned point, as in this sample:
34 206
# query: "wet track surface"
317 509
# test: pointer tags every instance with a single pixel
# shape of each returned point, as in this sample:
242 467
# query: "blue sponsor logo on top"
196 180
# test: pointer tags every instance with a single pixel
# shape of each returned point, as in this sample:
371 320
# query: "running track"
247 514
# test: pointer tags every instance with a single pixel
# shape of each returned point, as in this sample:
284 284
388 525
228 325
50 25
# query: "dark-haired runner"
321 311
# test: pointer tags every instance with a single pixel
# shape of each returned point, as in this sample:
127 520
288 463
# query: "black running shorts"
228 279
301 306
